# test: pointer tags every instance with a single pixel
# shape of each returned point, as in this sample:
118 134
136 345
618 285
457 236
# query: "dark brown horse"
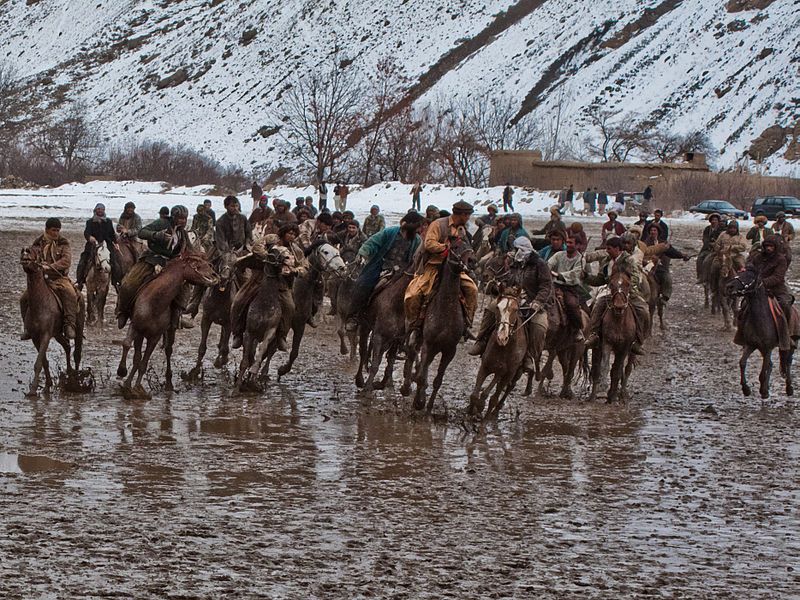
382 330
217 311
323 259
128 251
722 273
503 357
98 278
756 330
618 333
152 316
443 325
259 342
44 321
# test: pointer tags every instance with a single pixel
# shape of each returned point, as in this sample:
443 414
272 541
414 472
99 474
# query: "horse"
618 333
482 241
382 330
344 289
655 302
128 251
323 259
503 357
44 320
152 315
757 330
443 325
263 320
97 282
217 311
721 274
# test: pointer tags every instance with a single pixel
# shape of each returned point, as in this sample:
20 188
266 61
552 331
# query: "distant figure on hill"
323 195
416 197
508 199
602 201
589 202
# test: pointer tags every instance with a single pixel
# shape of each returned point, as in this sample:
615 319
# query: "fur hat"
412 218
612 212
714 216
179 211
760 219
325 219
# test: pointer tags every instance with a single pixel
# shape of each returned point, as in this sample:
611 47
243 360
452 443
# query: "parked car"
770 206
722 207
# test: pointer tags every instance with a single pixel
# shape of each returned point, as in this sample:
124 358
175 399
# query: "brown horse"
44 321
443 325
97 282
152 315
722 273
757 331
382 330
503 357
128 251
618 333
655 303
217 311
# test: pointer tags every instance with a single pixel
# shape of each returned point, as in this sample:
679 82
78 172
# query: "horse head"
743 284
327 259
277 261
461 256
102 257
197 269
226 269
508 308
30 259
620 288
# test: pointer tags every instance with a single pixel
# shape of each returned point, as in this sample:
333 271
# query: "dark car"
722 207
770 206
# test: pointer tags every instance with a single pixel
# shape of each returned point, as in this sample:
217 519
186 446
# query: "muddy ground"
312 490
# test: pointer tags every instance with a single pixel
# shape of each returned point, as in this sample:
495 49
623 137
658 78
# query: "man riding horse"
129 223
532 275
771 265
435 248
733 243
99 229
166 238
568 268
383 254
55 258
622 262
710 235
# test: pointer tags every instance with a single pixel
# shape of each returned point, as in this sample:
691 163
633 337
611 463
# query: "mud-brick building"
526 168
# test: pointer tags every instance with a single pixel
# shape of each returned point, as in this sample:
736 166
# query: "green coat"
159 251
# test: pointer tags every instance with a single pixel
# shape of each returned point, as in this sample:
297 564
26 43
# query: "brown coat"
55 253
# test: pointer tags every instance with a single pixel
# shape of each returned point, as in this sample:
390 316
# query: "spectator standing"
344 191
508 199
602 202
589 203
612 227
568 203
310 206
416 197
337 199
210 212
323 195
374 223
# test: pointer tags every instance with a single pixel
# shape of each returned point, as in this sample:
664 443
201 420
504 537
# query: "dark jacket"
232 232
772 270
102 231
158 250
710 235
375 250
533 276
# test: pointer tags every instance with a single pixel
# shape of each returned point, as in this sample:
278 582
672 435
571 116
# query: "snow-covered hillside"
205 72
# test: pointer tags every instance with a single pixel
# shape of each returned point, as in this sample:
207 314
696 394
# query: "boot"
468 335
477 348
636 348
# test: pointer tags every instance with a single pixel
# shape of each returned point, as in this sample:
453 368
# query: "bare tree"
69 143
493 125
462 158
320 113
406 152
665 146
616 138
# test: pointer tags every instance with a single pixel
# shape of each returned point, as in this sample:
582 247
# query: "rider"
350 241
612 227
312 234
129 223
771 265
663 228
710 235
98 229
166 239
233 232
733 242
554 224
435 248
758 232
783 228
568 268
489 218
56 259
532 275
384 253
512 232
619 262
297 263
203 228
374 221
556 237
663 255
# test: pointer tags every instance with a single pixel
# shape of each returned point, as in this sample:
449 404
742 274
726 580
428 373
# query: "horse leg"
476 398
786 362
376 354
363 356
616 376
546 373
169 342
746 352
408 367
387 374
297 337
705 291
138 341
422 377
41 355
352 336
223 348
205 328
101 306
122 369
567 362
342 337
144 361
248 353
262 350
445 360
661 304
65 345
766 371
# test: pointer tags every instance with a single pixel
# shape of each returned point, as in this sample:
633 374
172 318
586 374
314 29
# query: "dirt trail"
312 490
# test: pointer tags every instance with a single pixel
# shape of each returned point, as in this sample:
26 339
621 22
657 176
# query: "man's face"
201 210
460 219
768 248
52 232
207 204
732 230
410 229
323 228
309 201
373 211
289 237
352 229
614 252
571 246
100 212
232 208
180 222
654 233
262 203
557 241
643 216
612 217
714 223
657 217
514 222
129 210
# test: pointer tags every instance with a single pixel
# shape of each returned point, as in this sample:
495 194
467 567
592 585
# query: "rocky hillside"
205 72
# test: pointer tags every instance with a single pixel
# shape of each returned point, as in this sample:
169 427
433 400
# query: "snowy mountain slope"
205 72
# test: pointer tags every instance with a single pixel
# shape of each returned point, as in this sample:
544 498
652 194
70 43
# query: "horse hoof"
746 390
566 395
220 362
405 390
344 351
419 403
122 372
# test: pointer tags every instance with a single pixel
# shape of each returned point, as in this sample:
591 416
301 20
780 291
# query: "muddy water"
311 490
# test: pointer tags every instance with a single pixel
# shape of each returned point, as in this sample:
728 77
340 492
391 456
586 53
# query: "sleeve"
654 250
432 244
575 275
381 223
673 252
738 245
136 226
751 235
248 233
148 231
62 264
221 239
112 234
86 231
374 243
778 275
545 292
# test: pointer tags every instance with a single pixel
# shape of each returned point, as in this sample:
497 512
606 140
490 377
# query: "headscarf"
524 249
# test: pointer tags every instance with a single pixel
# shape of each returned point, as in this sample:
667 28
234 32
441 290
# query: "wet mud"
312 490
